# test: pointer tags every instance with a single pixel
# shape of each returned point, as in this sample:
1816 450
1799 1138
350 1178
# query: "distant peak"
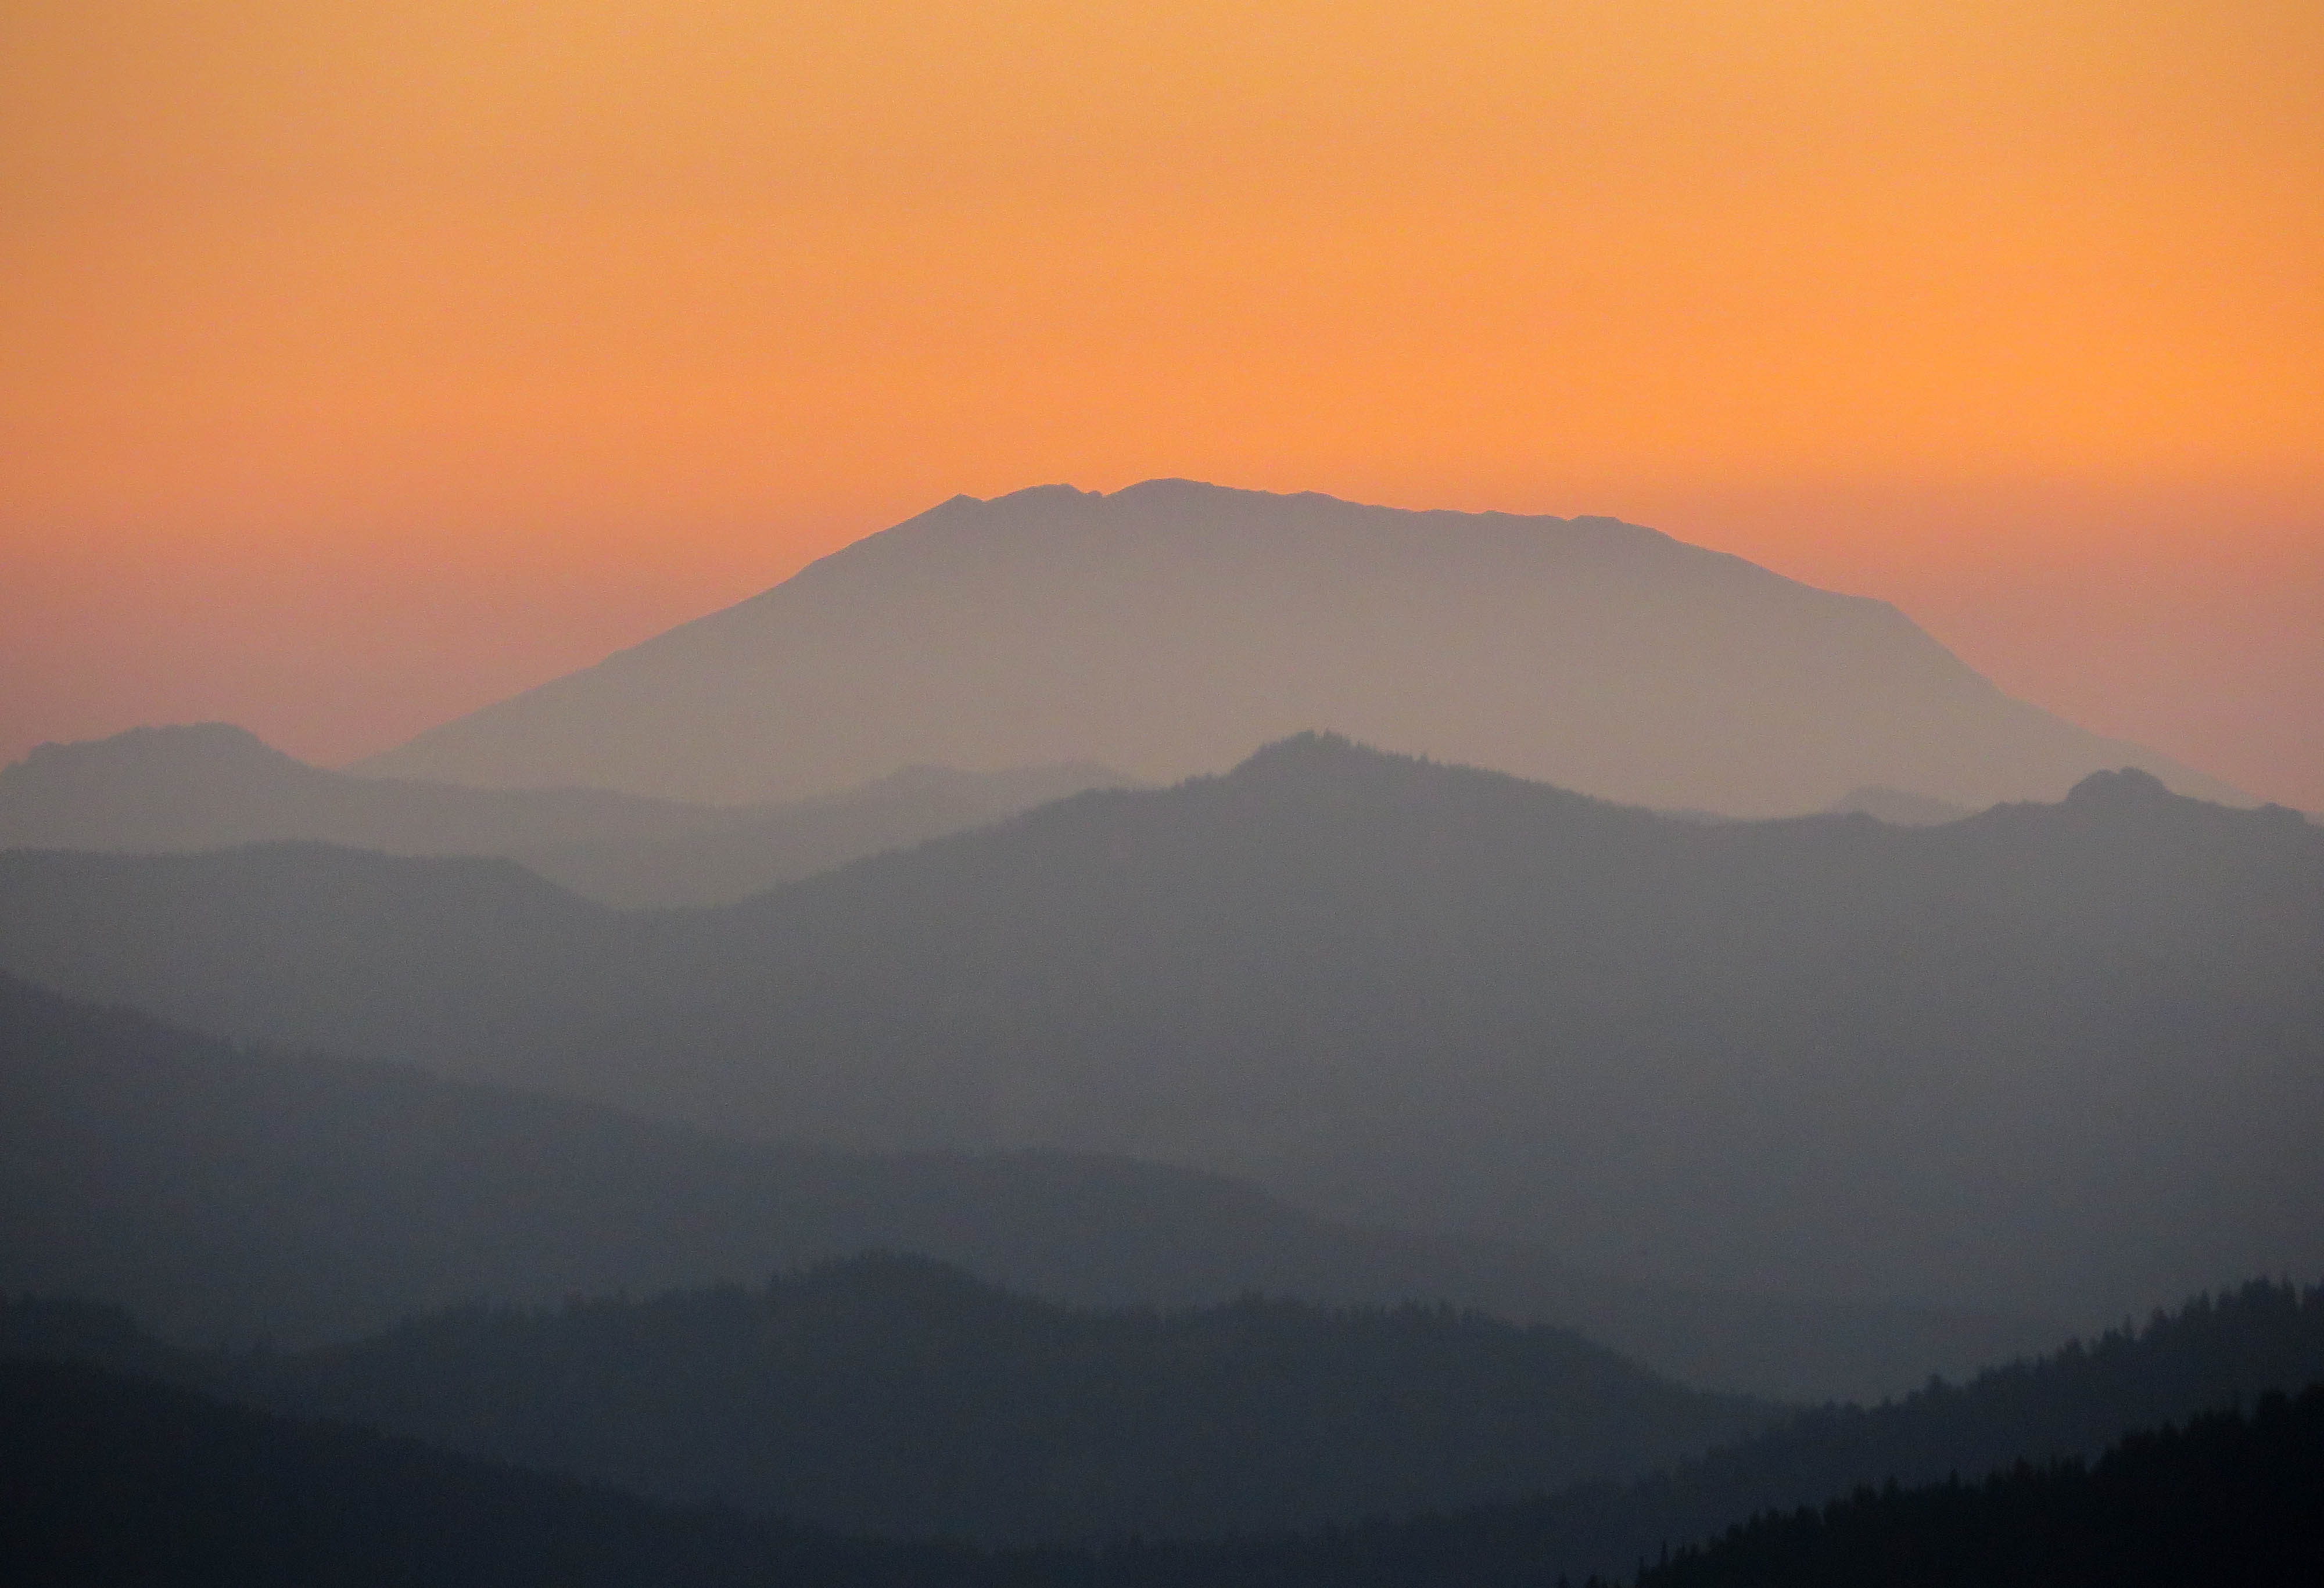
1168 497
1168 485
176 741
1319 753
1041 493
1174 485
2126 789
1312 747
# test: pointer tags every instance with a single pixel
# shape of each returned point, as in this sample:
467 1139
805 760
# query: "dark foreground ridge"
2227 1498
2212 1354
892 1395
108 1480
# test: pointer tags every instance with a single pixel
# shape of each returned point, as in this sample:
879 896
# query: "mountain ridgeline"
890 1395
2055 1060
231 1194
2226 1498
501 1380
114 1479
1169 628
211 785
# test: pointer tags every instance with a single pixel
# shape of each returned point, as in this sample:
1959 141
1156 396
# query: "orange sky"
361 363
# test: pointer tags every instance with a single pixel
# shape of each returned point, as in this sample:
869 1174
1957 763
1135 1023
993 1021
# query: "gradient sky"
361 363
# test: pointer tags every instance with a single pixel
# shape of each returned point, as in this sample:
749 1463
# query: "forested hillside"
114 1480
2214 1353
2227 1498
890 1395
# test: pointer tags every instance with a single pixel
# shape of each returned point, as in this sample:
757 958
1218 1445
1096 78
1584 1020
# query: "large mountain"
206 785
231 1194
1169 628
2053 1058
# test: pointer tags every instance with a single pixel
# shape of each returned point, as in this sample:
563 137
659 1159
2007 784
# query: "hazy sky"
363 362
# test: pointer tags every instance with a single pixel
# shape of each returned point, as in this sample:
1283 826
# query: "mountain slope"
761 847
2226 1498
2213 1354
107 1479
209 786
2049 1060
1169 628
893 1395
224 1193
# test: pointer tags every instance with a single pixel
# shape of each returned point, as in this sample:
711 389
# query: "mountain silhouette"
74 1451
226 1193
1167 628
892 1395
2224 1499
203 785
2050 1060
209 785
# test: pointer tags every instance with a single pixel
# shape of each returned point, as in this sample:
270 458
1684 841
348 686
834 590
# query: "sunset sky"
361 363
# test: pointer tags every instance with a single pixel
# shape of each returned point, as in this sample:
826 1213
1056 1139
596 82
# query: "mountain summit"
1171 627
